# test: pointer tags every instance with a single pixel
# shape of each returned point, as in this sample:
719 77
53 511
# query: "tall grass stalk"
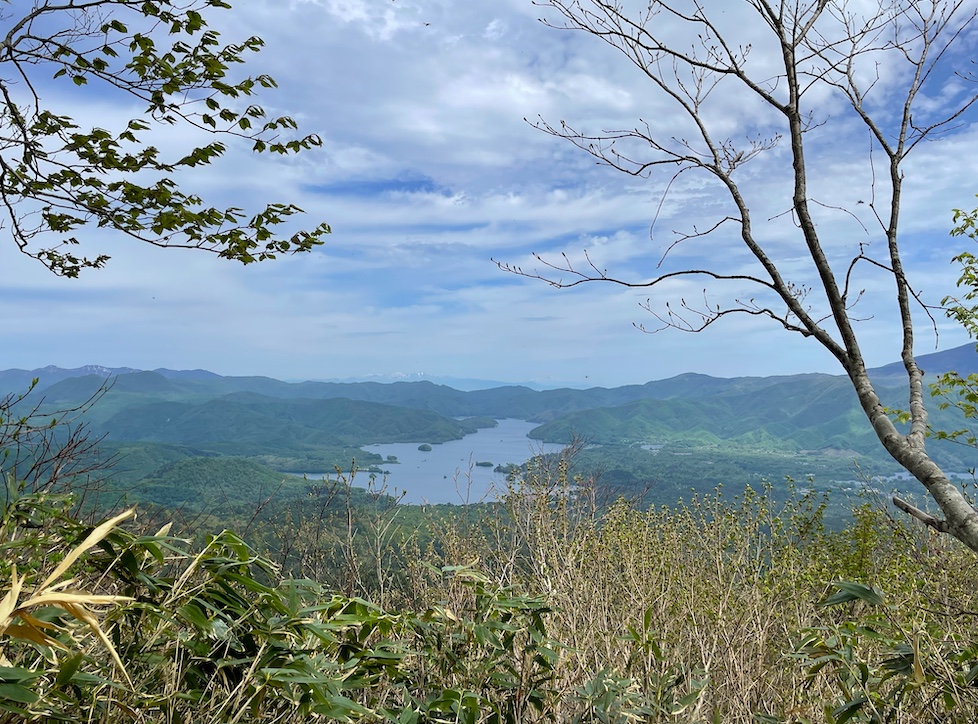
719 587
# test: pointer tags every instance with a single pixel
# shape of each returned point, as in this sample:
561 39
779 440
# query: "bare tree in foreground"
803 70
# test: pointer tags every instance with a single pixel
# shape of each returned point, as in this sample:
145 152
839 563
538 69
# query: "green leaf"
847 711
850 591
17 674
971 675
18 693
194 615
69 668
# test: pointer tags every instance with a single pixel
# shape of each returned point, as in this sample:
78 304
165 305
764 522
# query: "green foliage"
885 663
230 485
685 612
551 605
652 689
962 310
787 417
495 662
579 613
214 634
956 391
671 472
255 424
348 538
58 178
288 428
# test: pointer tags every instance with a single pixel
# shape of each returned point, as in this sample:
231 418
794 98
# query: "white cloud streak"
429 171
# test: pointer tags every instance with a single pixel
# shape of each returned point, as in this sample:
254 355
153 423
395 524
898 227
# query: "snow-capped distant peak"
98 370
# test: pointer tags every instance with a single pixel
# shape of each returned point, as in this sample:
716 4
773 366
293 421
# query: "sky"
432 174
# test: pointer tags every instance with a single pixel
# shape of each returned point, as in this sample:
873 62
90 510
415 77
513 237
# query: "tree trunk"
961 518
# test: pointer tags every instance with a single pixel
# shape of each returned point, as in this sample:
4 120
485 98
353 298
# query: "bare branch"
877 61
926 518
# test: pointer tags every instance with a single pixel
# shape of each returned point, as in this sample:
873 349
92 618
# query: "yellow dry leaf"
30 633
93 539
79 611
9 603
918 669
59 598
36 623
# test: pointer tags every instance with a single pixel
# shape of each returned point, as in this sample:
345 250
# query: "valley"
200 441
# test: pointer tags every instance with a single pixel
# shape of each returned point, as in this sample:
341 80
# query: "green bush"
722 585
552 606
215 635
889 663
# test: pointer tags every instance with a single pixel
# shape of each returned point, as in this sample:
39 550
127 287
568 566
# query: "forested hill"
795 412
246 423
741 429
131 388
788 414
67 387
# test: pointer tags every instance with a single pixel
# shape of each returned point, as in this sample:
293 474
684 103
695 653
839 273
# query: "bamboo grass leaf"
100 532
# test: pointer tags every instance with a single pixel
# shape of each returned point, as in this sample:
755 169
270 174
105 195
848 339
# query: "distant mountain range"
789 407
17 379
963 359
160 417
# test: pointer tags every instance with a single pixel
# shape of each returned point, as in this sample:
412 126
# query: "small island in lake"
483 465
424 447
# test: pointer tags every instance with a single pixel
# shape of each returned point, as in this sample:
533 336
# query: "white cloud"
429 171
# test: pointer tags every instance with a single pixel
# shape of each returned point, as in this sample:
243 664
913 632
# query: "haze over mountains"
761 426
963 359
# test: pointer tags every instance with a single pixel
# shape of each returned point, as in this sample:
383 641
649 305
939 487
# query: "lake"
448 472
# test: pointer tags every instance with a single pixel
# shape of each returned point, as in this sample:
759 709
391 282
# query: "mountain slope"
255 424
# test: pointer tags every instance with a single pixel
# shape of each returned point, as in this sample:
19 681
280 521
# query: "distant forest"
188 438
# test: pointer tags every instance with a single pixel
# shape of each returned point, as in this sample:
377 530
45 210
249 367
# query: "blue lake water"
448 472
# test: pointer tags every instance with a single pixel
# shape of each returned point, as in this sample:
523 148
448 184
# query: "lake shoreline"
450 472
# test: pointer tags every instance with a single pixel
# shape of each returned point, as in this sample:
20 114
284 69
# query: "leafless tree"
802 71
47 450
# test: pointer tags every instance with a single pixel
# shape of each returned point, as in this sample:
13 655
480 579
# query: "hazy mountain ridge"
163 415
507 400
18 380
511 401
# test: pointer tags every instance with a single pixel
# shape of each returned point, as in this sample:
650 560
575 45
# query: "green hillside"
210 483
661 449
787 417
75 386
251 424
232 489
714 430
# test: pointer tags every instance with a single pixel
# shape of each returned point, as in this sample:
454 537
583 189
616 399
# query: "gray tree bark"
825 45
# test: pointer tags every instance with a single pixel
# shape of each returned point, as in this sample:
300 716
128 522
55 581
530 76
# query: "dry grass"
724 587
553 608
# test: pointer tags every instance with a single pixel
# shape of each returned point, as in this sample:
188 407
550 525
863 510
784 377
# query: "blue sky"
429 172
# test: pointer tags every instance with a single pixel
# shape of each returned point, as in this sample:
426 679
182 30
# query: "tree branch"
926 518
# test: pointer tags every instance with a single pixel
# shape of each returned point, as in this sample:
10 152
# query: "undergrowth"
551 607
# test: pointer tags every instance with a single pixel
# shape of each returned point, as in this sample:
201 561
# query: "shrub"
215 635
